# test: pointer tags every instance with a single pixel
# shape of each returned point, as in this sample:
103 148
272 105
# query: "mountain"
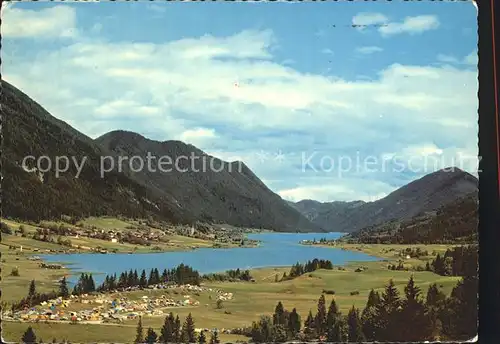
326 214
234 195
29 130
426 194
452 223
211 189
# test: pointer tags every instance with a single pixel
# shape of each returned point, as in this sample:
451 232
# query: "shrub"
220 304
355 292
329 292
15 272
5 228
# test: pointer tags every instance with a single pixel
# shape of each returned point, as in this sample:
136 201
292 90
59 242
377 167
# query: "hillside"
237 198
452 223
213 190
32 195
426 194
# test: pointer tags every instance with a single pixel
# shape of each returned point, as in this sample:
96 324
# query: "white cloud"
228 96
327 51
49 23
422 150
367 18
427 157
411 25
198 136
368 50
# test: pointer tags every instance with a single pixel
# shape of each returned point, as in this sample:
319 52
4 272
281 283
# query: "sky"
333 101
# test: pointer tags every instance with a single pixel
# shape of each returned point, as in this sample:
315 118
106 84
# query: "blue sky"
289 88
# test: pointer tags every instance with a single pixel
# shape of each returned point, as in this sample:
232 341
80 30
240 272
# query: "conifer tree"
201 338
434 296
151 279
177 330
214 339
29 336
266 328
63 288
279 314
320 319
31 291
167 329
130 278
332 315
413 312
255 333
122 281
464 308
370 322
438 265
91 284
373 298
387 313
188 333
294 323
309 330
151 336
139 337
135 278
157 276
143 282
338 333
435 328
355 331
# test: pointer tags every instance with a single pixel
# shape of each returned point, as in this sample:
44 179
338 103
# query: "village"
134 236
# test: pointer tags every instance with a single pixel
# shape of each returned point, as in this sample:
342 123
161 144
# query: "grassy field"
15 288
84 333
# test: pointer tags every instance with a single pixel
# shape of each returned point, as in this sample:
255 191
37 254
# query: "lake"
276 249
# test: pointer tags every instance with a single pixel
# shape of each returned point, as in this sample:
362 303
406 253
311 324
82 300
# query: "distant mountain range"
426 194
234 195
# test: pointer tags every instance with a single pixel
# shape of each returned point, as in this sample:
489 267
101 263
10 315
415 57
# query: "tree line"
173 332
182 274
229 275
312 265
459 261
